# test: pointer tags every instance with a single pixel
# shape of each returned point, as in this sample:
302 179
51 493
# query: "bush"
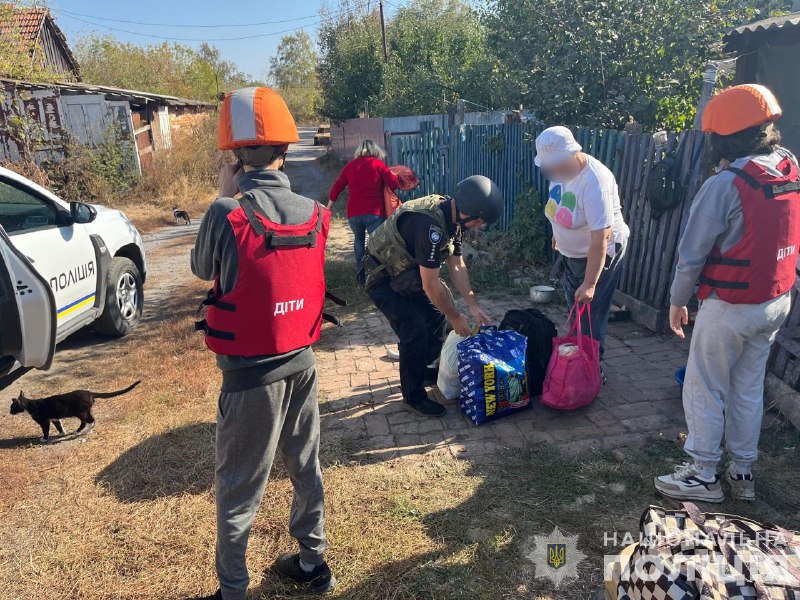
187 172
98 174
525 241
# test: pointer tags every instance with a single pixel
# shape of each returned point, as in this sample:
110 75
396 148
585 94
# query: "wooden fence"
504 153
785 359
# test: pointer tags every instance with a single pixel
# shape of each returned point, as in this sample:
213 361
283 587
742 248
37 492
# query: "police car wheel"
124 299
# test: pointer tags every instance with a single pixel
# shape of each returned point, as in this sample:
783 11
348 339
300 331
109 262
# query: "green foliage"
526 239
293 71
436 49
18 56
596 62
350 66
89 173
165 68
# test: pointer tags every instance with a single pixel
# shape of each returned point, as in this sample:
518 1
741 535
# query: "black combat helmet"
479 198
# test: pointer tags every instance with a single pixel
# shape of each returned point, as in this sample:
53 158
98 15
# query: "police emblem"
435 234
556 557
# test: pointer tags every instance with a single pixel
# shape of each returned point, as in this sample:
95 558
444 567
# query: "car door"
27 313
60 250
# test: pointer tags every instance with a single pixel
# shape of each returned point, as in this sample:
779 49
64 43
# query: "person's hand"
228 177
554 243
585 293
678 317
461 325
330 205
481 316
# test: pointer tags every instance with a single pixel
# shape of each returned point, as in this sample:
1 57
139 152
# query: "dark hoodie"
215 255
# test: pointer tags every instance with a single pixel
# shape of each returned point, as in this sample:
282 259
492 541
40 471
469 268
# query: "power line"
183 39
221 39
188 26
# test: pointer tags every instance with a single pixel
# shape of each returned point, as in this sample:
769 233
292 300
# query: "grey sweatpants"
251 426
723 390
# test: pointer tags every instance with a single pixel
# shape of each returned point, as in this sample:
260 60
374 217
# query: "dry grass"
185 176
129 513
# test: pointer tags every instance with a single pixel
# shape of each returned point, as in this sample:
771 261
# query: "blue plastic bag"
491 366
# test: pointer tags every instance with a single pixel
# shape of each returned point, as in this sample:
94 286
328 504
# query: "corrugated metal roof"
785 22
27 22
87 88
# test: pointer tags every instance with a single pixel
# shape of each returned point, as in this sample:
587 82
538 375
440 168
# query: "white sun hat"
555 145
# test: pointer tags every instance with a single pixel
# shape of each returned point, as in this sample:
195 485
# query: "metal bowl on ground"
542 294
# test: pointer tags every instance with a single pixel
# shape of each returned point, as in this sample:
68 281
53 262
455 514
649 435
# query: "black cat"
77 404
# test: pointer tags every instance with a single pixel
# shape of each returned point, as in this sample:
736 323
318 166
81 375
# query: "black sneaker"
320 580
216 596
426 407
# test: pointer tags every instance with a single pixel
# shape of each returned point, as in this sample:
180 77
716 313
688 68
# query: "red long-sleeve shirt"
366 177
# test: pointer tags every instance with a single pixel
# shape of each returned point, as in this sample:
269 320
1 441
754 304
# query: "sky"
171 18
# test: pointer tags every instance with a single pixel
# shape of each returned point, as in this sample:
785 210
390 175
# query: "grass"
129 513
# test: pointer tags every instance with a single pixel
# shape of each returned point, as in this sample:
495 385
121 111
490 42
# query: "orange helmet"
255 116
740 107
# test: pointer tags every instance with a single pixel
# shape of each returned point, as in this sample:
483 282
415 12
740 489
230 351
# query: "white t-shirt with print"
587 203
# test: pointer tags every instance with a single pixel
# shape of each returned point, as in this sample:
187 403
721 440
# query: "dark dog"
181 215
77 404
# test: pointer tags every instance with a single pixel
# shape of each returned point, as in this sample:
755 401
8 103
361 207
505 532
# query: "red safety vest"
762 265
276 305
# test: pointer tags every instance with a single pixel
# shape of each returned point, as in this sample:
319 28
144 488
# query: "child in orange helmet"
740 244
268 401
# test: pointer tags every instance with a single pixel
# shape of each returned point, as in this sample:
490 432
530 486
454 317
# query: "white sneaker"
393 354
742 485
686 483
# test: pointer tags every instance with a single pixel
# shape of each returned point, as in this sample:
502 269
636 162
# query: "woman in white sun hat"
589 231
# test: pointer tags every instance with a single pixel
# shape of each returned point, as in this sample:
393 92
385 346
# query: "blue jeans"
361 226
574 272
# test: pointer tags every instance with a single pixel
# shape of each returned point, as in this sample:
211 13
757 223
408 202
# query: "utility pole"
383 33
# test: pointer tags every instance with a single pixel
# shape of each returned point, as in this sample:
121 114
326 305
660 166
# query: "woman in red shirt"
366 176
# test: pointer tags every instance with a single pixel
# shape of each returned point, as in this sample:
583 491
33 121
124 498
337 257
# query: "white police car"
63 265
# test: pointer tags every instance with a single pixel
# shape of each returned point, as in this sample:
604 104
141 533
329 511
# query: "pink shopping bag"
573 374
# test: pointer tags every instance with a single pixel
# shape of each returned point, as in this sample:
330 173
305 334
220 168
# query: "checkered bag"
688 555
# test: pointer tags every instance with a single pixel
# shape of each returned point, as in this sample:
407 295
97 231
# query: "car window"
21 210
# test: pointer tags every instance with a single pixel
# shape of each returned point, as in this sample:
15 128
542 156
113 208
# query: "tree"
596 62
436 48
350 66
293 71
164 68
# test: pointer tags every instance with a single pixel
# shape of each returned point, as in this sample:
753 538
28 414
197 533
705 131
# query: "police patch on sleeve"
435 234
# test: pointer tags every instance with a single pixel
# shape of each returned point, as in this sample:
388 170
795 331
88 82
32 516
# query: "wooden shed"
46 43
38 119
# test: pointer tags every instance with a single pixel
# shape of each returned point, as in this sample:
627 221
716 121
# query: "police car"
63 266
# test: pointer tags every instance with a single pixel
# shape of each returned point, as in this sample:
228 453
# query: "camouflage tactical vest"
388 246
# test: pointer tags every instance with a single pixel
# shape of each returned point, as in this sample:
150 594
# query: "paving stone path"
360 395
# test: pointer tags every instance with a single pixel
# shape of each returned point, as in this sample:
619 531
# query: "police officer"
265 253
404 256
